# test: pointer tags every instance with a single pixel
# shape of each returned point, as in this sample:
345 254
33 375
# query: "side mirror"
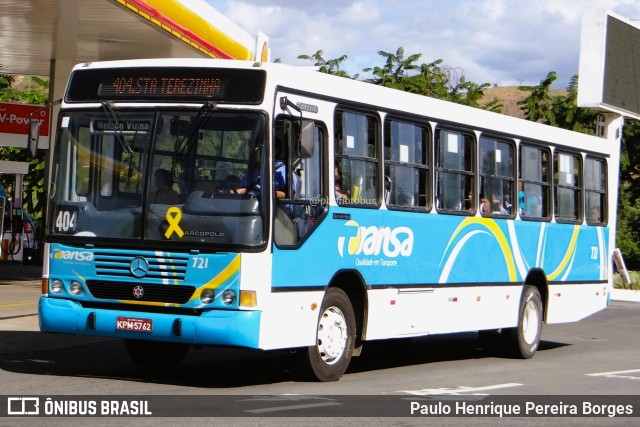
307 139
34 136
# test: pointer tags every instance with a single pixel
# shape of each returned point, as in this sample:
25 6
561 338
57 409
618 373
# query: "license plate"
134 324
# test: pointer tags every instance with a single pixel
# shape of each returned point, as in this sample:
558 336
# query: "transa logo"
373 240
72 255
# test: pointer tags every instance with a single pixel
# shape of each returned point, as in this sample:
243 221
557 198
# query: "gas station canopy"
36 34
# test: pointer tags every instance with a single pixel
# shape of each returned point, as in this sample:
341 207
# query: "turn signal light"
248 298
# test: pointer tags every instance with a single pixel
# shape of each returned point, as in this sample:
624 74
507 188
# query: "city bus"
272 207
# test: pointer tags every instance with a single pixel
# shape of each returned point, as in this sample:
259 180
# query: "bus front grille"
170 268
170 294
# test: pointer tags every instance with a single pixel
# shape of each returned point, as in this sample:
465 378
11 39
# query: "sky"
500 42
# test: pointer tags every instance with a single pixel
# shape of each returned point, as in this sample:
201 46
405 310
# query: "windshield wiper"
107 106
183 143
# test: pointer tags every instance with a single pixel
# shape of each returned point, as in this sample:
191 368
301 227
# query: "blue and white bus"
258 205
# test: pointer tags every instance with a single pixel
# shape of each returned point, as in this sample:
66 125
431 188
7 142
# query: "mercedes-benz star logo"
138 292
139 267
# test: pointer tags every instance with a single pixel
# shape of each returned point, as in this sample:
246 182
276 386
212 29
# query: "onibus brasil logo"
374 241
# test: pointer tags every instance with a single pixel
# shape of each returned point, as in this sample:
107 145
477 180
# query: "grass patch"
635 281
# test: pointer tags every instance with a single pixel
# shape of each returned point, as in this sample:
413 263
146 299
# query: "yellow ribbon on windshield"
174 215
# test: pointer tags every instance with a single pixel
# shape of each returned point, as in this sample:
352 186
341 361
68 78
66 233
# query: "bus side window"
497 163
357 157
454 170
406 165
533 186
567 186
595 185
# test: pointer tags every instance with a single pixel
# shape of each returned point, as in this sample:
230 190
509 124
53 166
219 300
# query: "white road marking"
290 398
461 390
292 407
617 374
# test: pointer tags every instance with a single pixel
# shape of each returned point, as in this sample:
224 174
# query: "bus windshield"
191 177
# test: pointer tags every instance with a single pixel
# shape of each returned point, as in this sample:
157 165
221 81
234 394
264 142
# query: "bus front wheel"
335 336
155 355
523 340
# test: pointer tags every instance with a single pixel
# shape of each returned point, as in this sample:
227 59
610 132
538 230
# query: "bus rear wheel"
155 355
335 337
523 340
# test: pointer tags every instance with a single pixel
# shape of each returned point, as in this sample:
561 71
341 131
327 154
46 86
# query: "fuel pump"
12 226
15 246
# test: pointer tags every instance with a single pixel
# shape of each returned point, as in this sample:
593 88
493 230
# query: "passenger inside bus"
467 202
280 179
250 185
164 194
520 197
533 205
497 208
485 205
340 196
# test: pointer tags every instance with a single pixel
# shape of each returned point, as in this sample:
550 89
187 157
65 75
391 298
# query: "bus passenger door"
300 198
296 179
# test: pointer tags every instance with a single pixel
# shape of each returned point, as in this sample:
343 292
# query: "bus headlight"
207 296
76 288
229 297
57 287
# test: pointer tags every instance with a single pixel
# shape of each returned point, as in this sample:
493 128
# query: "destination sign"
163 86
167 84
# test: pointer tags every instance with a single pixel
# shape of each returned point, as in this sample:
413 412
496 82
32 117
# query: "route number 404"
66 221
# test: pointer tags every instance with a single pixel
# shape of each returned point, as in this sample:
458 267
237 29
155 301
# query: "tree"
395 69
431 81
628 232
5 82
537 106
330 66
428 79
469 93
404 73
567 113
559 110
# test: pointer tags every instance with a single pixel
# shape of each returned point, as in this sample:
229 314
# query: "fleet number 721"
200 262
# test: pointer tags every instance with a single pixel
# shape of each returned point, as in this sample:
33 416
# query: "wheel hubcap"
530 322
332 335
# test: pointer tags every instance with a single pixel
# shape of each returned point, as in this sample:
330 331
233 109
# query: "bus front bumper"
215 327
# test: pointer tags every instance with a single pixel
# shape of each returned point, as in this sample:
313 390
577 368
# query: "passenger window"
533 193
595 185
357 158
406 165
567 186
455 186
497 176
